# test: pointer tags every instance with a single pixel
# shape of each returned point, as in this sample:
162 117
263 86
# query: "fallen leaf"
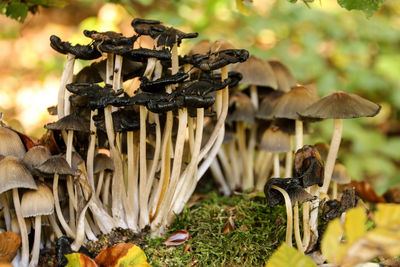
9 244
177 238
187 248
229 226
79 260
286 256
365 190
243 228
122 254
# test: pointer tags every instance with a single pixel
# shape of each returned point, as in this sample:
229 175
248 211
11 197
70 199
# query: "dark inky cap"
102 162
341 105
55 164
267 105
36 156
87 52
70 122
291 186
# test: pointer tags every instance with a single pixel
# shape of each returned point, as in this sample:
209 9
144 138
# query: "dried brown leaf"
365 190
9 244
177 238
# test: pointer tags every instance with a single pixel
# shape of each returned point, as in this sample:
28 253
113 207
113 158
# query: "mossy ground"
258 231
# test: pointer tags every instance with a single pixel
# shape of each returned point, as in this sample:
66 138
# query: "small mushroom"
283 75
339 176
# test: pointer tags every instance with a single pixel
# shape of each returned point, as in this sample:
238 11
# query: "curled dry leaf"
365 190
79 260
123 254
9 244
177 238
5 264
229 226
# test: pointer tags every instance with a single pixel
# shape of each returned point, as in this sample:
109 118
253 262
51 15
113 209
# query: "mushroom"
14 175
36 203
338 106
283 76
10 143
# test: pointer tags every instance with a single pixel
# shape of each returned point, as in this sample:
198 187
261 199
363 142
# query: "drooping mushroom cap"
102 162
240 108
37 202
70 122
36 156
283 76
275 140
293 102
220 45
14 174
10 143
341 105
55 164
291 185
256 71
340 174
308 166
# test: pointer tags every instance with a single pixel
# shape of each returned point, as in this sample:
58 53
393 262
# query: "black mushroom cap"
170 36
220 59
123 120
142 54
69 123
152 28
291 185
159 84
86 52
341 105
308 166
333 208
102 162
55 164
111 42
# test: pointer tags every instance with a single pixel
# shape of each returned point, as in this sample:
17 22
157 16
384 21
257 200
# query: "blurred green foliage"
18 9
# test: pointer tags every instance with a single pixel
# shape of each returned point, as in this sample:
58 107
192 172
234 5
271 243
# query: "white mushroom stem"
219 177
6 210
276 165
332 154
250 155
80 230
91 150
289 159
100 183
36 243
241 139
59 213
233 158
299 134
66 78
297 236
334 190
264 173
54 225
22 229
133 192
70 188
289 214
143 205
227 167
106 191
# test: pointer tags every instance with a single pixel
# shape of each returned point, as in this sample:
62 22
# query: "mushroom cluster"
263 119
118 155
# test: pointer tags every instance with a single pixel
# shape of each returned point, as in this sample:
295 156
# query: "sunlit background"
324 45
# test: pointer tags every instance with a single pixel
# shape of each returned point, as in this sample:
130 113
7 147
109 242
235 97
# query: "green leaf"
286 256
242 7
17 11
369 7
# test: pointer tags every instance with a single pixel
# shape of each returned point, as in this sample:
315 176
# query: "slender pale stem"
106 191
233 158
264 173
54 225
299 134
227 167
241 139
250 155
334 190
60 216
297 228
289 214
100 183
156 157
66 78
91 150
22 229
80 230
36 243
277 171
332 154
289 159
143 205
219 177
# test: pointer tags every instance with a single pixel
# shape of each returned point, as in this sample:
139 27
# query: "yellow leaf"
79 260
242 8
122 254
387 215
286 256
387 239
330 244
354 225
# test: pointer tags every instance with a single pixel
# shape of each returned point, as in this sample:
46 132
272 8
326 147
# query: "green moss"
258 231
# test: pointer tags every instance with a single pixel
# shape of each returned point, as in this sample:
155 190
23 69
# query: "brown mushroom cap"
37 202
340 174
323 150
220 45
240 108
203 47
14 174
293 102
256 71
55 164
275 140
267 105
283 76
10 143
341 105
102 162
70 122
36 156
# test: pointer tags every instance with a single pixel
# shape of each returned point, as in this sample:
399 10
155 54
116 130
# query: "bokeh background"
323 45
